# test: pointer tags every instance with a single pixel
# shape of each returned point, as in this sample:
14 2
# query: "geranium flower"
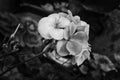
71 34
75 42
52 27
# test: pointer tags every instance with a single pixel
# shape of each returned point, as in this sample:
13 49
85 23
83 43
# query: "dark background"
103 16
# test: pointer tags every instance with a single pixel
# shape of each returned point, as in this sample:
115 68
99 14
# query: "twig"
13 34
26 61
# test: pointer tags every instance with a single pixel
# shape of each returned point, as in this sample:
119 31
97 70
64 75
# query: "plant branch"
36 56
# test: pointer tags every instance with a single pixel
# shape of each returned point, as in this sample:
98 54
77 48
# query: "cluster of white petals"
53 26
72 36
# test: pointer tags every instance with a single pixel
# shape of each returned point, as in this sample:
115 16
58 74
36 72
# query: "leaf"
117 58
83 69
101 6
104 62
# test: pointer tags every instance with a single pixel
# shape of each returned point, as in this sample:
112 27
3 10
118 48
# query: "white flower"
72 36
75 43
53 26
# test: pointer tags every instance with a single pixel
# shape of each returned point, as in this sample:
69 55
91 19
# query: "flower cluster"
71 34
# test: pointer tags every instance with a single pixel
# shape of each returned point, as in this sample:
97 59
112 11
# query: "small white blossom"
53 26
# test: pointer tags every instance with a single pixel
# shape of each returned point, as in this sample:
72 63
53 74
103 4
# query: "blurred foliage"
101 6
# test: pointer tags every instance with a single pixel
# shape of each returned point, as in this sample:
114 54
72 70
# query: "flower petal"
44 26
72 29
83 26
79 27
63 22
61 48
69 31
63 14
82 57
87 29
58 59
81 36
55 16
57 34
60 20
74 47
77 19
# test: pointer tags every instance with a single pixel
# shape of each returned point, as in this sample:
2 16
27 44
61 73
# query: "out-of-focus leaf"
46 69
83 69
9 61
100 6
28 35
8 23
48 7
117 57
14 75
32 40
104 62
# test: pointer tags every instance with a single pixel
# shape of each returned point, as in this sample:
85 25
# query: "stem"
13 34
47 50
